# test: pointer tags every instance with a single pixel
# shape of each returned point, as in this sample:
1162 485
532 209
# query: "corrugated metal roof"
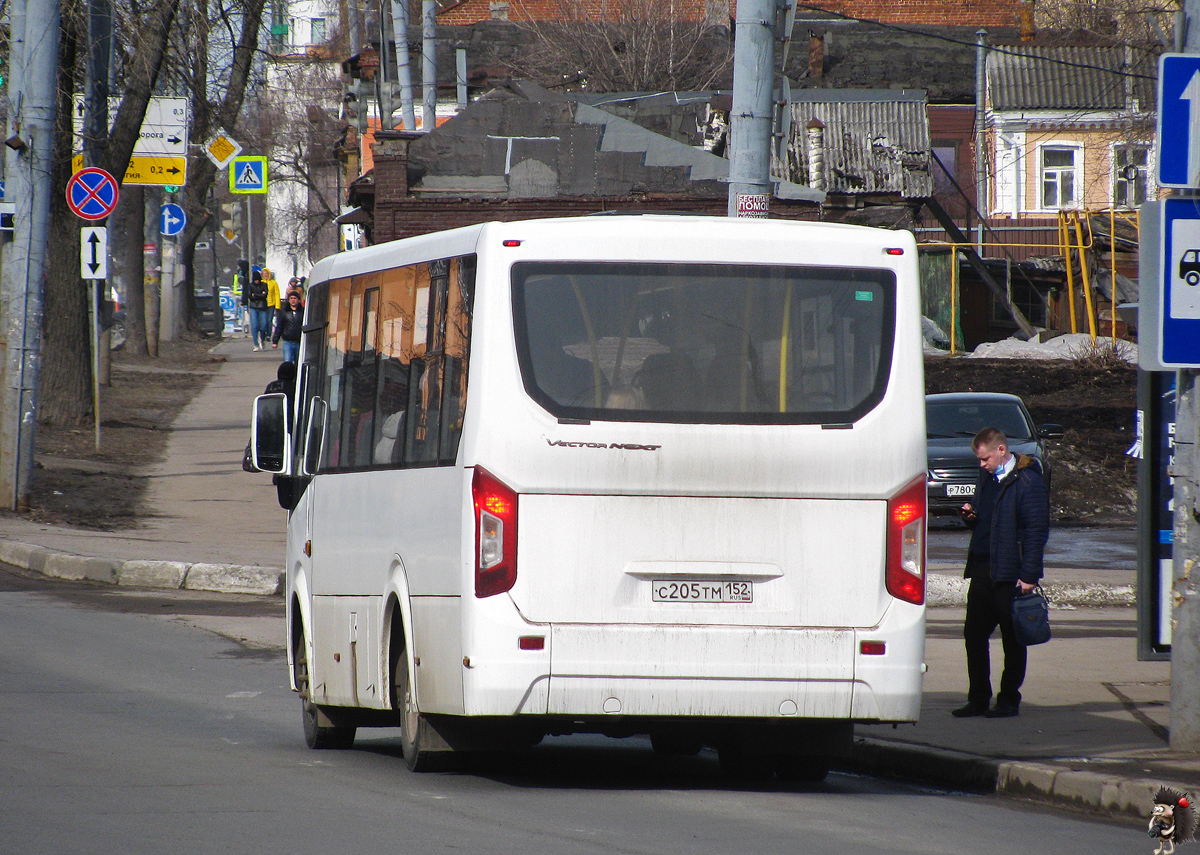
874 141
1067 78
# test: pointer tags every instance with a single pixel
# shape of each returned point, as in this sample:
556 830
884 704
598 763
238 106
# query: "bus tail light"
495 535
905 575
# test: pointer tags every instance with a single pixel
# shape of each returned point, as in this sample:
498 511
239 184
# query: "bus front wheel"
317 735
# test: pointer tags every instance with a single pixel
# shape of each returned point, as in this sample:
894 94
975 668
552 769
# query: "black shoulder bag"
1031 617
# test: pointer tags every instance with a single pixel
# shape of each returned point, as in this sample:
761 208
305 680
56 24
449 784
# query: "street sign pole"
1185 635
94 314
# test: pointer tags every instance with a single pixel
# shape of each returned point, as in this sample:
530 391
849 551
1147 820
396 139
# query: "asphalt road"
128 729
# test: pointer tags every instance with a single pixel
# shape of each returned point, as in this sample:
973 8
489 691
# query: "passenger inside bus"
567 379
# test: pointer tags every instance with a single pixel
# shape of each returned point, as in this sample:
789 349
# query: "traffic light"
231 216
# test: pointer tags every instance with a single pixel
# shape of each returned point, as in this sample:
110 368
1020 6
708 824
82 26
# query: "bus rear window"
704 343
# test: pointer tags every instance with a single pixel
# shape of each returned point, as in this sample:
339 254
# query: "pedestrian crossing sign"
248 175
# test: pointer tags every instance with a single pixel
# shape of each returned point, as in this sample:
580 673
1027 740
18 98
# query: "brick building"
524 152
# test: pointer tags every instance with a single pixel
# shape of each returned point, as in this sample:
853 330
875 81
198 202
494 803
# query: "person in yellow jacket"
273 301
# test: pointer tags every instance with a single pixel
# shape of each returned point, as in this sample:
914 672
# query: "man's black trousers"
989 605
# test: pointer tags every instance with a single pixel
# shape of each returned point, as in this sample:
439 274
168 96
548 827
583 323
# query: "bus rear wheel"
316 734
417 756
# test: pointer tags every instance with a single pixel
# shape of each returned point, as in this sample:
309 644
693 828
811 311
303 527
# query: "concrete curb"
220 578
1094 792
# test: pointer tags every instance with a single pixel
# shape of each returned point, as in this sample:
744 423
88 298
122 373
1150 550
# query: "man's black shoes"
969 709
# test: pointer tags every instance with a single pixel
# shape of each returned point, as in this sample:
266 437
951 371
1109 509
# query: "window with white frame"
318 31
1060 176
1130 171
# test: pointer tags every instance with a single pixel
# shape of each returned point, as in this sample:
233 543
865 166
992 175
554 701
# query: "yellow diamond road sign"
221 149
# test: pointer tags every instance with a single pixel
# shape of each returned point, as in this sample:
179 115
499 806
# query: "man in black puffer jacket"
1010 521
289 325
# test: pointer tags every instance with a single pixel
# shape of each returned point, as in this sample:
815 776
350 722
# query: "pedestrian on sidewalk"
273 301
1009 518
289 326
254 297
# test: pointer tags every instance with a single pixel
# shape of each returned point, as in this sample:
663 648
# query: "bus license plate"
960 490
702 592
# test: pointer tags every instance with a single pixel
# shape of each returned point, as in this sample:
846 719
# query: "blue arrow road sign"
172 219
1179 342
1179 120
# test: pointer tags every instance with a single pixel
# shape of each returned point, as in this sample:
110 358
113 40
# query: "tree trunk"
131 260
66 375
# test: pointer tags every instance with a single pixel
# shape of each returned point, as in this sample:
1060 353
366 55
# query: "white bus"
625 475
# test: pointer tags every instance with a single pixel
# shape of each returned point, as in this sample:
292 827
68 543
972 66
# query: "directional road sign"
1179 120
93 252
160 154
1179 263
92 193
172 219
248 175
156 170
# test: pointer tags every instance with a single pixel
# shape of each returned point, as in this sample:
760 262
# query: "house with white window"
1069 128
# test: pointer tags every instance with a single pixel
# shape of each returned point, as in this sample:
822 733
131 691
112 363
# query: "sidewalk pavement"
215 527
1092 733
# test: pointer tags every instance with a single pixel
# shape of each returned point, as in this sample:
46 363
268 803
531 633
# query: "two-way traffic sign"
1179 120
93 252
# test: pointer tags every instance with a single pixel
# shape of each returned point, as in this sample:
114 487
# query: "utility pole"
1185 632
981 182
750 122
403 66
34 29
429 65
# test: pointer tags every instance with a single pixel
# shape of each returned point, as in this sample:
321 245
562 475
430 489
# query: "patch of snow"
1069 346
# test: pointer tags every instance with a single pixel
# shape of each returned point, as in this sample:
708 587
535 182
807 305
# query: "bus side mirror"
270 442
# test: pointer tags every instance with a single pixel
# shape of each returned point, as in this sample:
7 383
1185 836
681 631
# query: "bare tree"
67 369
634 45
217 104
1140 23
301 132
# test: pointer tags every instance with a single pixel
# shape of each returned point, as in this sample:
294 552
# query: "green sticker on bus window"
865 296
